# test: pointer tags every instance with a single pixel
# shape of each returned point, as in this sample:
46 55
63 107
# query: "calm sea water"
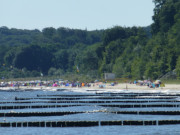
97 130
103 130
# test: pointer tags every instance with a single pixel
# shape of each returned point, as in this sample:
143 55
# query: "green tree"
49 32
178 68
151 71
61 59
33 58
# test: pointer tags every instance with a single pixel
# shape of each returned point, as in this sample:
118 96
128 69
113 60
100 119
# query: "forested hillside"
136 52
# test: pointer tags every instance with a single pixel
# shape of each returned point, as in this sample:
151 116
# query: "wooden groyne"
104 105
88 123
102 100
135 93
148 112
35 106
92 101
142 105
80 98
30 114
111 94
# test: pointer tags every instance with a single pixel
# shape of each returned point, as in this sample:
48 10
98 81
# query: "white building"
109 76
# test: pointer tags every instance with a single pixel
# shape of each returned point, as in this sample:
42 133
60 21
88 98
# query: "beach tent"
54 85
67 84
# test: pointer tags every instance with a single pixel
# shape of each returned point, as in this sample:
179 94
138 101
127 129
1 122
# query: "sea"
94 112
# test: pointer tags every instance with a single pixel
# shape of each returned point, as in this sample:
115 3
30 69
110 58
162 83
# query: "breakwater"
104 105
88 123
65 109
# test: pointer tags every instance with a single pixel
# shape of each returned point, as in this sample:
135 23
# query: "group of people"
149 83
37 83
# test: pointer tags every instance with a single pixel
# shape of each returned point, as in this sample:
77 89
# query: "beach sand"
121 87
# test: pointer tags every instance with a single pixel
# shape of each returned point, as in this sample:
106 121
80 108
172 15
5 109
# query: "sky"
75 14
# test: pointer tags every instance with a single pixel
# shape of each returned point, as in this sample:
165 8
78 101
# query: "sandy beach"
122 87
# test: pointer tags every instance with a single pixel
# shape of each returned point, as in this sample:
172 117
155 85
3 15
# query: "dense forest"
130 52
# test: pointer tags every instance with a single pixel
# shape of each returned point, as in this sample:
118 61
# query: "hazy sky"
90 14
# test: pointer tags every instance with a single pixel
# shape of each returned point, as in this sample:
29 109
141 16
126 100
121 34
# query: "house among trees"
109 76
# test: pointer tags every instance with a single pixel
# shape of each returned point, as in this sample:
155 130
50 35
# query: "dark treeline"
129 52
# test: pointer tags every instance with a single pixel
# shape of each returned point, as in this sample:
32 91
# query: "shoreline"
122 87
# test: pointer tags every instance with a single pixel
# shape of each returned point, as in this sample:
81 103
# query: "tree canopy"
132 52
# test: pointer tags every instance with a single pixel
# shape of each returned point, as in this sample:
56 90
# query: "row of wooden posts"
76 98
92 101
87 123
80 98
104 105
110 94
30 114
